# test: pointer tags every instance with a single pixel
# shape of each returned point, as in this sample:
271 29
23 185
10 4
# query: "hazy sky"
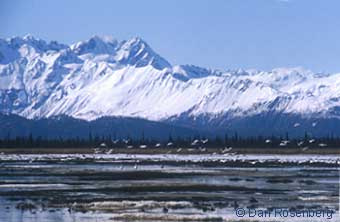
260 34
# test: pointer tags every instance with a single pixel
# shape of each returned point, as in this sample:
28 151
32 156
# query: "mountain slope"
105 77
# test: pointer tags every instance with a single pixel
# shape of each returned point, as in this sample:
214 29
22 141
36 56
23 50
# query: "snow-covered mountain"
105 77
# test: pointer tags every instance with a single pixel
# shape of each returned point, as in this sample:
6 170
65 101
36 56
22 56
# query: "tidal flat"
164 186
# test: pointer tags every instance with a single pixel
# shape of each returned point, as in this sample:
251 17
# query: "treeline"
194 142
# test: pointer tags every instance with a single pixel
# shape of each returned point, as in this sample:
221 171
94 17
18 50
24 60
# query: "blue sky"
261 34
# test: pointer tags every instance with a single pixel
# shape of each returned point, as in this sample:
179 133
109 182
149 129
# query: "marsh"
163 187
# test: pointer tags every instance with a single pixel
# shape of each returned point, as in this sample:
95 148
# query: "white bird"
300 143
284 143
305 148
203 149
115 141
322 144
311 140
110 151
143 146
296 125
195 142
204 141
267 141
227 149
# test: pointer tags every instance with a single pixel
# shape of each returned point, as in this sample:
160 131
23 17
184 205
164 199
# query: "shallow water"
122 187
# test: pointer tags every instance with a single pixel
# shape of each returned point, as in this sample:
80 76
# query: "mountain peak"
136 51
96 45
292 70
29 37
36 43
135 43
136 40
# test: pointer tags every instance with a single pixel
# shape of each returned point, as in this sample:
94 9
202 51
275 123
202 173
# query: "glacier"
105 77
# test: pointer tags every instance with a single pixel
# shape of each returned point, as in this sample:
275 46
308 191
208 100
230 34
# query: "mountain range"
103 77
